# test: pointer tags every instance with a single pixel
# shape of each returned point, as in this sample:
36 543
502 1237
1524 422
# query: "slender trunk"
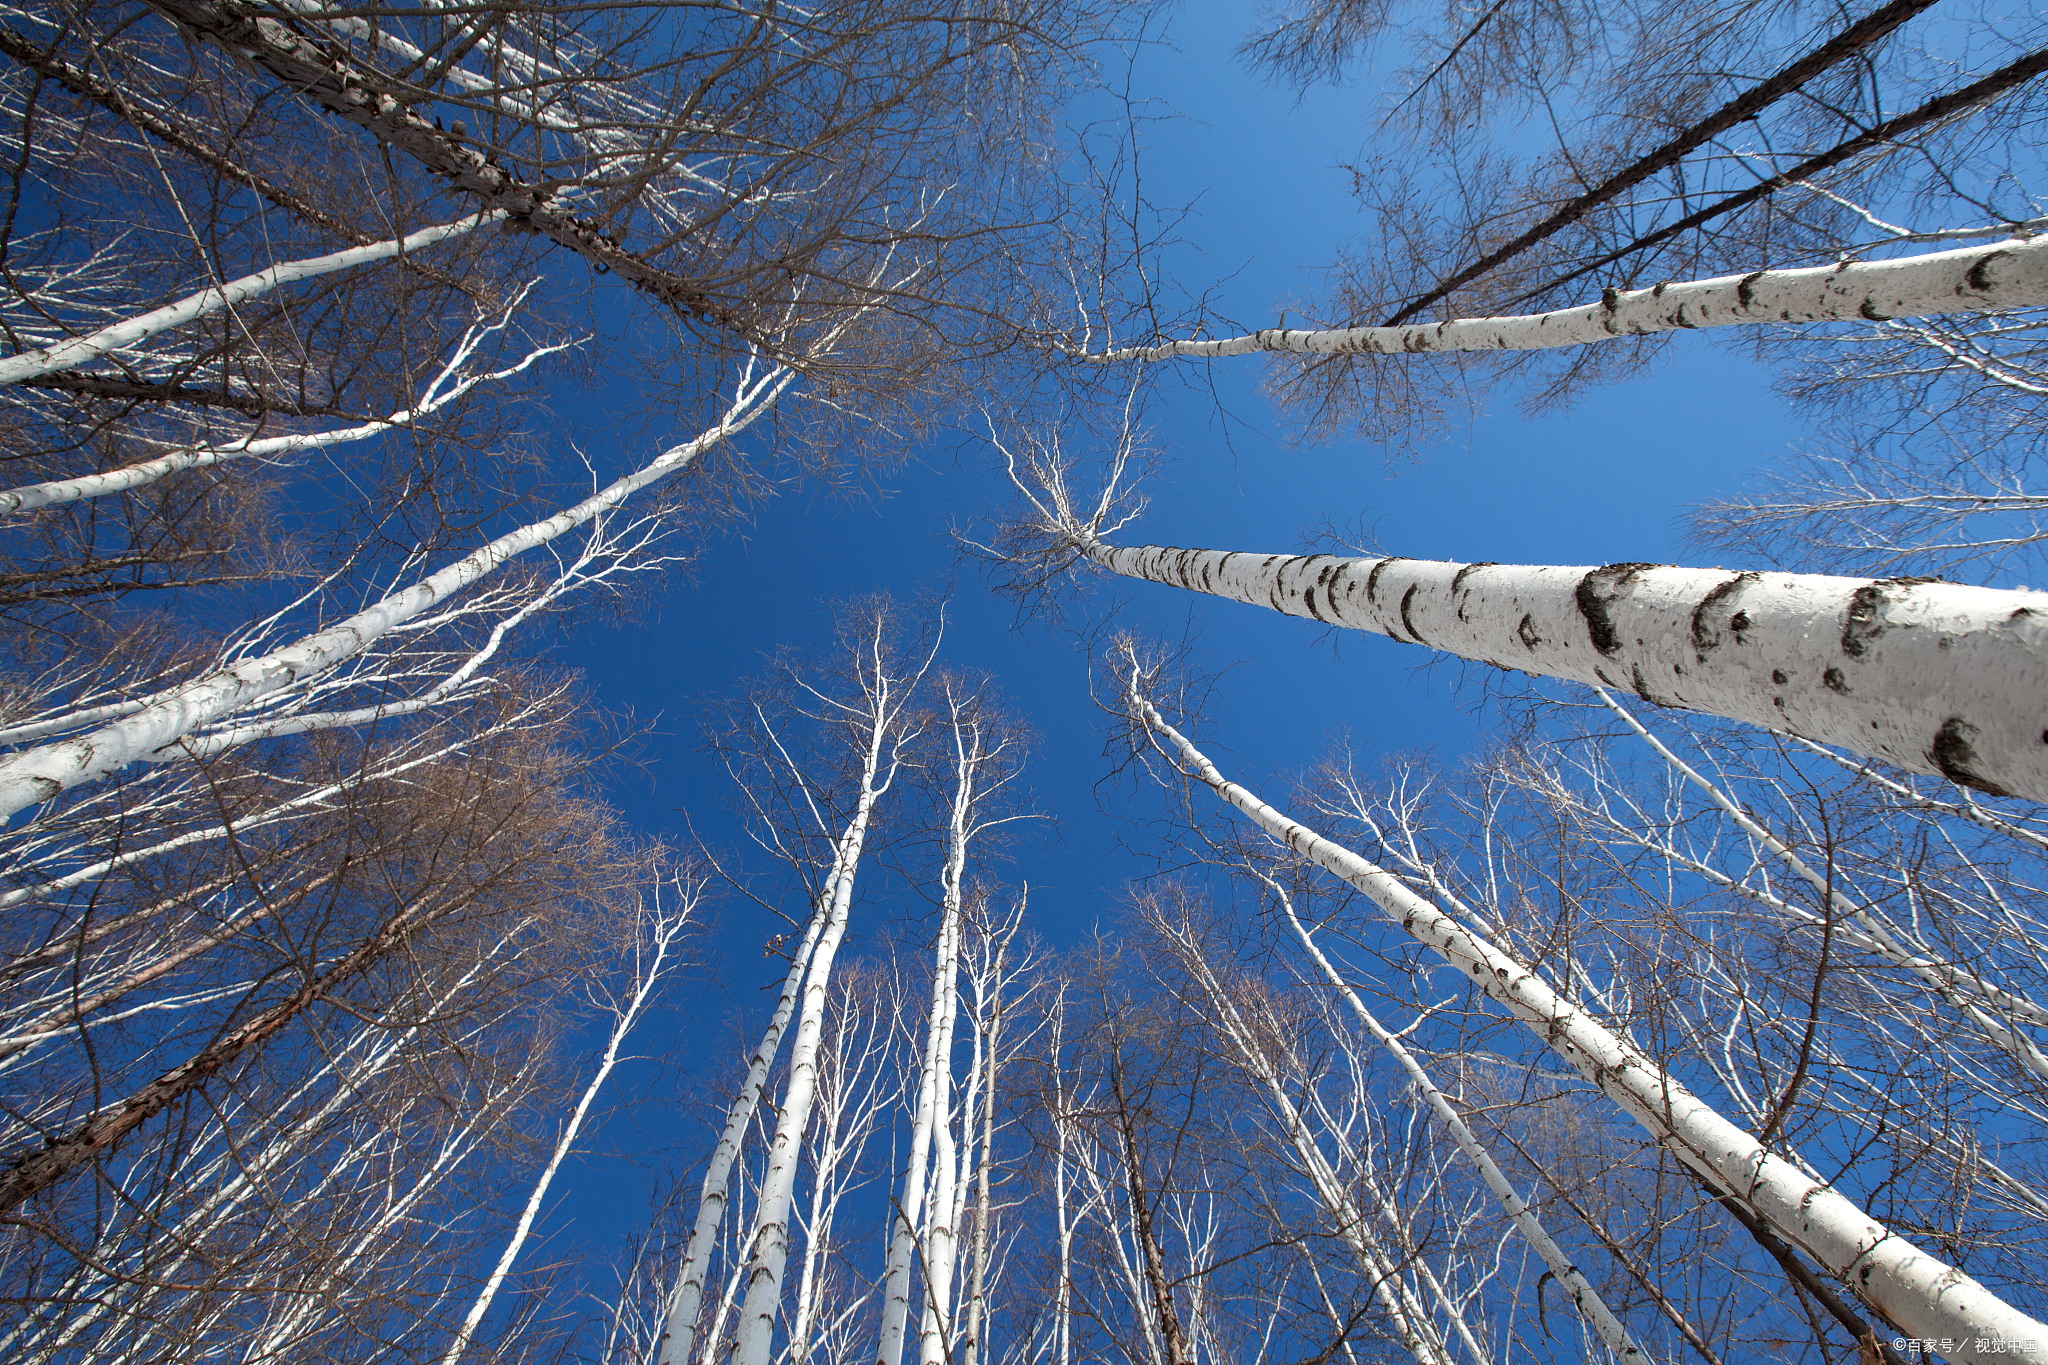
678 1339
755 1336
664 931
1974 279
42 773
941 1240
910 1192
1591 1306
1933 677
976 1314
1063 1296
1916 1291
72 351
931 1123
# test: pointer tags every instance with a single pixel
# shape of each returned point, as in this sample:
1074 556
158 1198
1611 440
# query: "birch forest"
647 714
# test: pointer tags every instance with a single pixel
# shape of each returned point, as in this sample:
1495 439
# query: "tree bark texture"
1975 279
1937 678
1918 1293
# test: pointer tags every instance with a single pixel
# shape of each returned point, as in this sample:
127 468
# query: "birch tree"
982 757
1885 1271
1913 673
1680 144
866 721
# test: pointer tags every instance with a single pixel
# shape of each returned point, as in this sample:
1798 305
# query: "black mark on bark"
1596 590
1372 580
1406 598
1530 639
1643 687
1458 578
1954 752
1704 634
1979 278
1836 683
1863 623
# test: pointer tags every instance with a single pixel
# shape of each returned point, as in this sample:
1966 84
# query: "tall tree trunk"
678 1339
1975 279
1915 1291
1936 678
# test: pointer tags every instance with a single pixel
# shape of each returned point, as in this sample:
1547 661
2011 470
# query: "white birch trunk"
74 351
754 1337
57 492
42 773
662 925
1591 1306
931 1122
989 997
1936 678
1973 279
1411 1325
1917 1292
678 1339
941 1228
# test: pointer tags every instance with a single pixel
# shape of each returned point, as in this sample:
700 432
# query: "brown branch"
85 85
1940 107
1741 109
30 1175
361 97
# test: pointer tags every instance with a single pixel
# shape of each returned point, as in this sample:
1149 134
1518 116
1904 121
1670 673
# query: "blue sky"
1609 481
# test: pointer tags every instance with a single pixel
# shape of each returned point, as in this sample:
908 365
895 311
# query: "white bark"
1974 279
657 928
933 1088
1936 678
64 355
1915 1291
56 492
40 774
678 1339
880 717
1591 1306
989 1023
771 1239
